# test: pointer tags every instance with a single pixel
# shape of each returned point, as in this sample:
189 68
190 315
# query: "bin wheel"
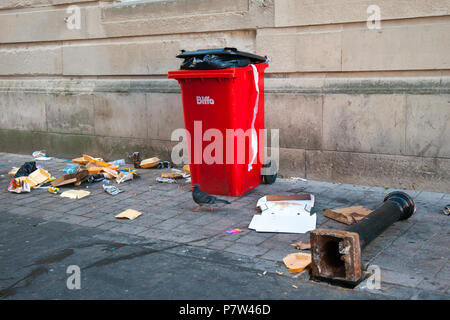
269 178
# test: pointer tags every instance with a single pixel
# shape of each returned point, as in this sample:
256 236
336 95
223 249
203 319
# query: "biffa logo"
204 100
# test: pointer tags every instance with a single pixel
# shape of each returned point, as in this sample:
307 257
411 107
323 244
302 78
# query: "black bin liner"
215 59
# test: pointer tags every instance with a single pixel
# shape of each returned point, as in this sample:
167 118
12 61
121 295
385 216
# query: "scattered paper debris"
129 214
296 262
19 185
124 176
75 194
301 245
349 215
294 286
233 231
112 190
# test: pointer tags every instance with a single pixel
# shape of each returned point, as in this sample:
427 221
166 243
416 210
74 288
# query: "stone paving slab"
413 254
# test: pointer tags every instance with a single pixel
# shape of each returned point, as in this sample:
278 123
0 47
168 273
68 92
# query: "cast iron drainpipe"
336 254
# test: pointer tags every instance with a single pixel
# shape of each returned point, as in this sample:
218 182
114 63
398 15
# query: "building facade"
360 89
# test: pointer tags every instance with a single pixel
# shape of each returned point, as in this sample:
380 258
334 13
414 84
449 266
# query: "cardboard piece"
187 169
296 262
150 163
349 215
285 213
80 160
111 172
70 178
99 162
75 194
284 224
287 205
37 177
129 214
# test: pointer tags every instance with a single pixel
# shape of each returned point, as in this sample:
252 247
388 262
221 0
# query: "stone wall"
353 105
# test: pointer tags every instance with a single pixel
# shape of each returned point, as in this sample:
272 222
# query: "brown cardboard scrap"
37 177
301 245
187 169
296 262
70 178
130 214
349 215
80 160
75 194
111 172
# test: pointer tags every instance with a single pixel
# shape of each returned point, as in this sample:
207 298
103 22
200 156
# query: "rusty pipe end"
404 201
336 255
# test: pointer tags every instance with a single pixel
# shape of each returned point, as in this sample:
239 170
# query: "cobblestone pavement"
413 255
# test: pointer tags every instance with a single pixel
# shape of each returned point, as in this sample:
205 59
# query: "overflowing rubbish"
285 214
336 254
75 194
129 214
301 245
112 190
297 262
349 215
214 59
233 231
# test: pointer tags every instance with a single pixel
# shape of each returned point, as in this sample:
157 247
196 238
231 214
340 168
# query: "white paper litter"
285 214
284 224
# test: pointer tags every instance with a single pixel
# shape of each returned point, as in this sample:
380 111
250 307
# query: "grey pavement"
171 252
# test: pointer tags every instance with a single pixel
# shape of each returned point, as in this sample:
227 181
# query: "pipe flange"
406 203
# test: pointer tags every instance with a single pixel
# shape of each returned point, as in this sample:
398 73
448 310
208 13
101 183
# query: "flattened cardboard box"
70 178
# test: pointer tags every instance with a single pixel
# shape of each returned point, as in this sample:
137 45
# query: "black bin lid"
230 52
